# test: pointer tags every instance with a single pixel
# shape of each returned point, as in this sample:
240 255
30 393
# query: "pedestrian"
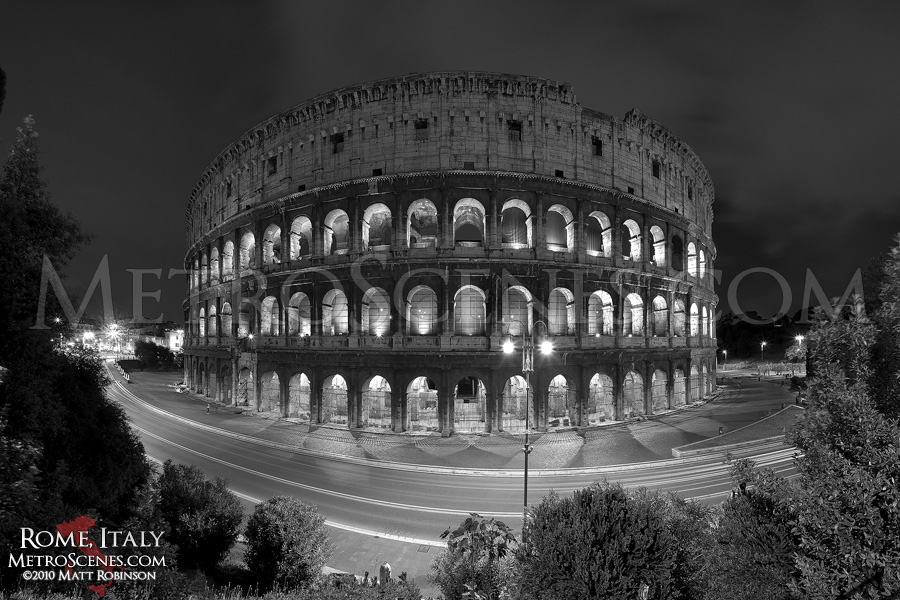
207 408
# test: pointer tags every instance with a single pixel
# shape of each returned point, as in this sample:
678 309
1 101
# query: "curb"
776 440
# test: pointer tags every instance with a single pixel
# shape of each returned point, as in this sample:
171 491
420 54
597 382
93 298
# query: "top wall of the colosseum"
447 121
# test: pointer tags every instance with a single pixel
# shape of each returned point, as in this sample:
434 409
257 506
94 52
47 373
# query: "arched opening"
469 311
468 223
515 224
601 402
695 384
228 261
658 391
600 314
706 384
227 393
659 246
336 233
695 321
204 268
701 264
422 311
560 230
560 401
679 318
598 234
514 400
269 393
246 391
633 319
299 392
212 382
469 397
271 246
422 404
631 240
561 312
213 329
634 394
422 230
704 322
334 400
301 238
376 312
377 225
517 304
299 315
214 265
678 391
226 320
201 322
335 318
692 259
247 258
660 317
245 320
677 253
195 274
376 403
199 379
270 323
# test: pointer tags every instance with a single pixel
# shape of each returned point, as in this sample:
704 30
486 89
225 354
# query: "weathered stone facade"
360 259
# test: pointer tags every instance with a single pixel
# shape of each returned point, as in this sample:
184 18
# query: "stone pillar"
284 384
539 241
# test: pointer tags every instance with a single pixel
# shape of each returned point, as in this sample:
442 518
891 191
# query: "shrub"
203 516
286 543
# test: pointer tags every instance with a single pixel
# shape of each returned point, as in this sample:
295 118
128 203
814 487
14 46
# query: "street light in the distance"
762 350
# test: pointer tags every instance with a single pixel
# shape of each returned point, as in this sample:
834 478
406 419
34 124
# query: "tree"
796 352
203 516
473 564
599 543
153 355
286 543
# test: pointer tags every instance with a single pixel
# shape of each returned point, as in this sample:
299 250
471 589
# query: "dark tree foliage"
287 544
153 355
599 543
475 559
203 516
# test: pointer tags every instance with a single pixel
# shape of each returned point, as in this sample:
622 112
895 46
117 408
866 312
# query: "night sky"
794 107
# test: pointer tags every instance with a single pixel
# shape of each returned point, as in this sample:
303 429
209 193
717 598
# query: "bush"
598 543
286 543
203 516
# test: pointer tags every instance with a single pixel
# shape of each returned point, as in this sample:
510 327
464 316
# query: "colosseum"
363 260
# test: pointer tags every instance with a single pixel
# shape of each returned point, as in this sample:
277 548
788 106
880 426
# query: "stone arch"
336 234
701 263
269 393
633 393
678 318
228 261
601 401
213 328
659 395
246 392
560 229
247 254
695 384
269 321
514 404
692 259
598 234
422 404
560 403
678 389
299 396
377 226
422 311
469 394
376 402
271 245
375 312
695 321
706 384
704 322
469 311
659 246
517 310
214 265
227 394
600 313
195 274
469 222
245 318
335 315
334 400
515 222
201 322
561 312
299 314
301 238
660 317
422 221
204 268
633 317
631 240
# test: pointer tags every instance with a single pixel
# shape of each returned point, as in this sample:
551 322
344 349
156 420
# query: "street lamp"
762 350
799 339
527 368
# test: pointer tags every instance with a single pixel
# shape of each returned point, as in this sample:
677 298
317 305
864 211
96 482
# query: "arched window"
269 316
598 235
299 315
213 328
677 253
376 312
214 265
248 252
301 238
660 317
271 248
376 226
204 268
468 222
692 259
228 261
561 312
201 322
633 390
469 311
560 231
659 246
195 274
695 321
335 319
678 318
704 327
422 311
659 396
245 321
515 224
517 304
631 240
600 313
336 235
633 322
701 264
422 231
226 320
601 400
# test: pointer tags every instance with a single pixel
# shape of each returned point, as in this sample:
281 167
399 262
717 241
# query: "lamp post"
527 369
762 350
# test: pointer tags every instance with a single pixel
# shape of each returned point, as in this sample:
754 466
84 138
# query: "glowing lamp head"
546 347
508 347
